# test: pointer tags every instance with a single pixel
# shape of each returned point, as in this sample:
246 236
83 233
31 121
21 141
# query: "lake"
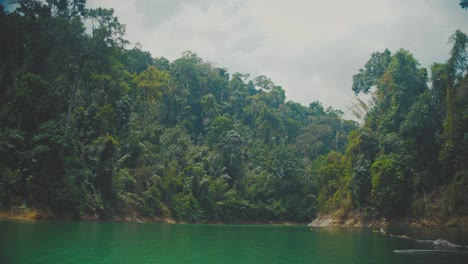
85 242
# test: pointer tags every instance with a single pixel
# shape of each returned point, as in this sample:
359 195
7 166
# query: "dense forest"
90 126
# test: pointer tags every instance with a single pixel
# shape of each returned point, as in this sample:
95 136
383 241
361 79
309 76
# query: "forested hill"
92 127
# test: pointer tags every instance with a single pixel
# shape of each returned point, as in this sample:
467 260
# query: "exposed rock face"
328 220
323 221
350 221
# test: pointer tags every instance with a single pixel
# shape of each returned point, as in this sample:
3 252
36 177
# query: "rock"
322 221
382 231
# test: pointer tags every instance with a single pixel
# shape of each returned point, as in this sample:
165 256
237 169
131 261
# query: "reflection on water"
79 242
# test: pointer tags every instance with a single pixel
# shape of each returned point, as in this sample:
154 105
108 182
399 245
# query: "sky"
311 48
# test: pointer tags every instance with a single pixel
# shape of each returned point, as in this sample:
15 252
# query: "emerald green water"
83 242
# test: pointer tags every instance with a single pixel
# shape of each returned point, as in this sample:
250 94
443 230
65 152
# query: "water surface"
84 242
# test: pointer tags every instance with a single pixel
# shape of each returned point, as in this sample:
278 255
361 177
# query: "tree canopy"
92 126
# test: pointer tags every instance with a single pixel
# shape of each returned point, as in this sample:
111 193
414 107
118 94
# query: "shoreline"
24 216
323 221
33 216
328 220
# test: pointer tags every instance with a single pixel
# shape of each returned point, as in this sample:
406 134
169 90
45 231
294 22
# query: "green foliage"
10 186
329 178
360 181
458 202
464 4
373 70
389 183
219 128
153 82
186 207
411 142
89 127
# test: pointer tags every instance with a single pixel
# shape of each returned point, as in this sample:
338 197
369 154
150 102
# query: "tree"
360 184
91 127
464 4
317 108
455 86
152 82
219 129
105 168
67 8
232 152
136 60
373 70
263 82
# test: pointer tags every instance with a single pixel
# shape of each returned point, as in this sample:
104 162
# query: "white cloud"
312 48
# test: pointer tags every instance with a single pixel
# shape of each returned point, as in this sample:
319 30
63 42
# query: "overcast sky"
312 48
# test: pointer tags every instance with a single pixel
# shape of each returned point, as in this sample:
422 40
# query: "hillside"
91 127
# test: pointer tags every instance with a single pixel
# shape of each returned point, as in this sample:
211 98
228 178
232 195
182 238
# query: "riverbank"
327 220
33 215
166 220
23 216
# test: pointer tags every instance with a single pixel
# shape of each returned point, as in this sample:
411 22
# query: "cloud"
311 48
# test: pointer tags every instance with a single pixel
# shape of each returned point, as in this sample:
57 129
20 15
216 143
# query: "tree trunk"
71 101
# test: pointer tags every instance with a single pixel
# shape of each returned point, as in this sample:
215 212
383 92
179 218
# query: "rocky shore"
327 220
